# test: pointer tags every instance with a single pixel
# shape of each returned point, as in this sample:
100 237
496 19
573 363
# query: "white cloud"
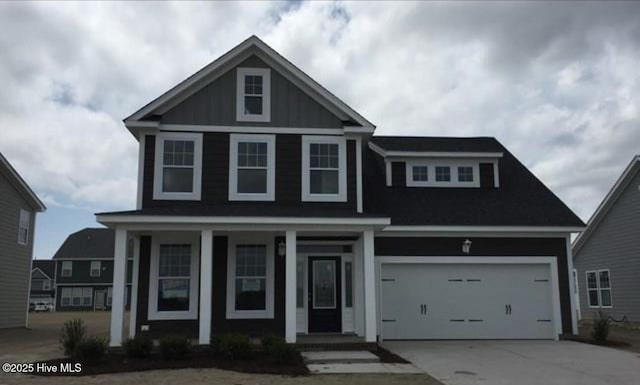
555 82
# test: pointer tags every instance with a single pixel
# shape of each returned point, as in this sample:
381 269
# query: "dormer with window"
455 167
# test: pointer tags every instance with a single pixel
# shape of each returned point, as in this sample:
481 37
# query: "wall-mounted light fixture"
466 246
282 249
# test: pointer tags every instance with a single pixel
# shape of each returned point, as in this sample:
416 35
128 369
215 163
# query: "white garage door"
466 301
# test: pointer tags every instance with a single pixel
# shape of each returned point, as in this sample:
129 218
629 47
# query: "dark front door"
325 297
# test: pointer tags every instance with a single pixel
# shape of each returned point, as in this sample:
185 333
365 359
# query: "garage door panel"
470 301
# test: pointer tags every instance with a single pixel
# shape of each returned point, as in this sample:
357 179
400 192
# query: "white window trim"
453 164
25 216
195 195
192 313
341 196
599 289
231 312
70 269
266 95
46 284
91 269
234 195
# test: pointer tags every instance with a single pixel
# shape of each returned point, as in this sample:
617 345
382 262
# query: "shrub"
138 347
232 346
72 333
269 341
600 329
277 348
175 347
90 350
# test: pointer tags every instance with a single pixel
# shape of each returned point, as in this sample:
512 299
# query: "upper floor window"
324 168
67 269
252 167
442 173
253 102
599 288
178 166
95 269
23 227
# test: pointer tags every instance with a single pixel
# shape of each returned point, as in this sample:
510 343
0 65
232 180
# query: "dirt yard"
40 342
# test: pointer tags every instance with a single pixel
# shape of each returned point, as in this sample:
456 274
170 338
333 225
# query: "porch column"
206 264
119 281
369 286
290 287
133 307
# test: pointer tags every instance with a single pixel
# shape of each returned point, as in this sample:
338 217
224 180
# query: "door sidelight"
423 309
507 309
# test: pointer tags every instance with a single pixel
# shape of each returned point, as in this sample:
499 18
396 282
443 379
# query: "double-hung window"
76 296
95 269
23 227
599 288
324 169
253 102
67 269
178 166
250 279
252 167
173 285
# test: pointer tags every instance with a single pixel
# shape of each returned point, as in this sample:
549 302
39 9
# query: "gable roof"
609 200
46 266
20 185
88 243
521 199
253 45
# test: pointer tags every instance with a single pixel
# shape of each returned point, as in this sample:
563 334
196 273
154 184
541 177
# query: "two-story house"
18 208
43 275
607 254
84 271
267 206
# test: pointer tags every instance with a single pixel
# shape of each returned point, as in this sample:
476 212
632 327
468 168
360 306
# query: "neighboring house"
84 271
18 208
266 206
607 254
43 274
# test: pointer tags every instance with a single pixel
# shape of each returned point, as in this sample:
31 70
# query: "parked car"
32 306
43 306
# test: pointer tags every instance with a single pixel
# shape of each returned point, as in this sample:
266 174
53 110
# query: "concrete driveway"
520 362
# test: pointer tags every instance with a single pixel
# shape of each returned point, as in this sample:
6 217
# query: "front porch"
307 283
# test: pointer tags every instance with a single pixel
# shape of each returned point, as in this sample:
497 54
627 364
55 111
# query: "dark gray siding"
81 270
219 323
398 174
215 104
15 259
614 245
488 247
215 174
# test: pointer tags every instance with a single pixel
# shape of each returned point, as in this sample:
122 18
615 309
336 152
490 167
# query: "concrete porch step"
340 357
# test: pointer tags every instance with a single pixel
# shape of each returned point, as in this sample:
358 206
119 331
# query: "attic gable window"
253 103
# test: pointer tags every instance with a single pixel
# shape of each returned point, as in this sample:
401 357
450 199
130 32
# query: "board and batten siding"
615 245
215 104
15 258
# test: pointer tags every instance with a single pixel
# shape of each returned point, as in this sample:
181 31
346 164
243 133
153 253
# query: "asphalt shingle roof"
521 199
88 243
46 265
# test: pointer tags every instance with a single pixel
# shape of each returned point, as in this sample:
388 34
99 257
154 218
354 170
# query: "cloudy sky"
557 83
